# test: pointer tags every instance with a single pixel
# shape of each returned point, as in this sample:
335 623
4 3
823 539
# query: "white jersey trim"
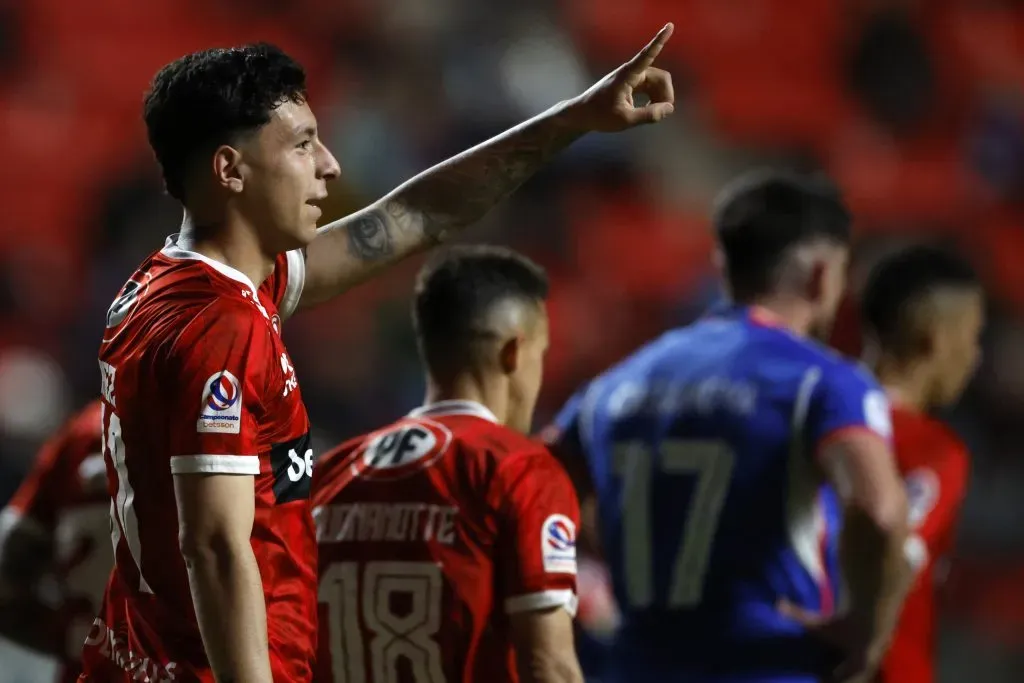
806 522
296 283
176 247
215 464
455 407
532 602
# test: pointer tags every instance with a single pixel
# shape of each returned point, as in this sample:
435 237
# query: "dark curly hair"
208 98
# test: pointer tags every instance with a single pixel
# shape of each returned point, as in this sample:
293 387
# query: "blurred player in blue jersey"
724 456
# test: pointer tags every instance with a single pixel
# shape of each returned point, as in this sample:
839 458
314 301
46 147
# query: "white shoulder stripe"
296 282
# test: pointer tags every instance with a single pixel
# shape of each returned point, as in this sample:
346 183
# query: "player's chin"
304 231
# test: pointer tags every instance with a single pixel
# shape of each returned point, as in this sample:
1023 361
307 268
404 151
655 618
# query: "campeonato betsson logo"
558 544
560 535
221 408
224 392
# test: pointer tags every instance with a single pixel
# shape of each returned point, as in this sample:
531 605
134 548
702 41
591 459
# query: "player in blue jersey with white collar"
723 457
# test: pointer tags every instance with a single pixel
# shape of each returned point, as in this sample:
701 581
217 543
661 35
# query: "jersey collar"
758 315
455 407
176 248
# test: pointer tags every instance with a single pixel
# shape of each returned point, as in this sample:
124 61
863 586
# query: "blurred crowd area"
915 107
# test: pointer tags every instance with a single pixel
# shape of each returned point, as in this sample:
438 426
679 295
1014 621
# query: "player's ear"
815 286
926 341
510 354
227 163
718 261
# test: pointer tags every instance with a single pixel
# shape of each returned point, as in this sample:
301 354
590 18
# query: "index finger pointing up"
646 56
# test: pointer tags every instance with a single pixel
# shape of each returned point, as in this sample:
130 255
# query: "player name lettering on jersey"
707 396
402 522
107 374
142 667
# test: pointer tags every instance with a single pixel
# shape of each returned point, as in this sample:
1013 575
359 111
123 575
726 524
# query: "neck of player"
227 243
790 313
479 387
907 383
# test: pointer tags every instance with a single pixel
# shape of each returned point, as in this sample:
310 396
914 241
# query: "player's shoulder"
168 292
88 420
82 435
928 434
483 445
337 467
835 370
81 432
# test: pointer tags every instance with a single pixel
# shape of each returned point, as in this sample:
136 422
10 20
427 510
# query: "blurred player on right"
923 311
709 453
448 538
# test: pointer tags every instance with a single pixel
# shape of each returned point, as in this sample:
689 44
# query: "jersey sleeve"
538 517
844 398
218 372
284 286
935 494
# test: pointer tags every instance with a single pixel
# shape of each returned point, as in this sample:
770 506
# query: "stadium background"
915 107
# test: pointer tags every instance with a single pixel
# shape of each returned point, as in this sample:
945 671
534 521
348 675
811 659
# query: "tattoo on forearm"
462 190
368 237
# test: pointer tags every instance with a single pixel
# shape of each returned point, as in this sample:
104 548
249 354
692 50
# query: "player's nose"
327 165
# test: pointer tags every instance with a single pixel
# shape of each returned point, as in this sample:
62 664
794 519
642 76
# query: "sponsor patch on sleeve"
221 409
558 545
922 494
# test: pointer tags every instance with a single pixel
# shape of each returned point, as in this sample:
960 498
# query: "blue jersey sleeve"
846 397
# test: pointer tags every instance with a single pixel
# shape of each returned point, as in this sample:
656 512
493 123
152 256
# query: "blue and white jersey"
701 447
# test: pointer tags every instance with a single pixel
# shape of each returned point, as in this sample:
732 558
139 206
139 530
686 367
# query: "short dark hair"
902 280
208 98
458 288
759 216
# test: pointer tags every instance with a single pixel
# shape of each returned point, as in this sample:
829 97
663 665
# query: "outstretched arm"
443 200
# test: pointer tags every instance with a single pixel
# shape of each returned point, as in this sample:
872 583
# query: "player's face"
526 380
285 170
835 261
957 343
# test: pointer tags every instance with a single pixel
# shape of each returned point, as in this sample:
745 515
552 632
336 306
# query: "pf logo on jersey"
221 409
558 545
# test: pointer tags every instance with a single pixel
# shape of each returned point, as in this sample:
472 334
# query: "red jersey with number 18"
196 380
431 532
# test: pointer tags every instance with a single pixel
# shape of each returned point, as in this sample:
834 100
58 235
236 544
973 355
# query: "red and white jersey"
431 531
64 500
196 380
935 465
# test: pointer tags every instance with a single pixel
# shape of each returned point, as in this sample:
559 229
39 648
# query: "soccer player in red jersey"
448 538
57 525
206 436
923 311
